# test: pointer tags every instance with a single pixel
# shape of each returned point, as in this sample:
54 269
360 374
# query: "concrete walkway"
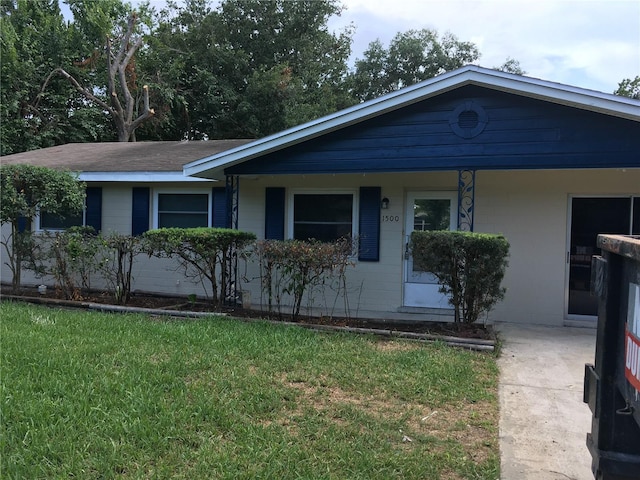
543 421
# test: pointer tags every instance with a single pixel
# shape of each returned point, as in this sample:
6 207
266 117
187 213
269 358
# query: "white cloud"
587 43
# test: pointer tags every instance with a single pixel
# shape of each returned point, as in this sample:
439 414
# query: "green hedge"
203 253
469 266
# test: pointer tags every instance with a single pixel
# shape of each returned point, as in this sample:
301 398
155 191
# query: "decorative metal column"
232 186
232 191
466 199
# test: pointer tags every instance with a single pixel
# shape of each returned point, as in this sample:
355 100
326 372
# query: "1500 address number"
390 218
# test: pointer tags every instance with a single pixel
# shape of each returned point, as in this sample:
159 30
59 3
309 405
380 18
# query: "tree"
511 65
34 40
629 88
246 69
412 56
27 190
119 103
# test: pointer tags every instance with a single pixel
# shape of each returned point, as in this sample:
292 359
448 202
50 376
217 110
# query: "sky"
591 44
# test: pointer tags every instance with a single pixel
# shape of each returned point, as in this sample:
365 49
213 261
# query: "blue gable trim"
520 86
517 133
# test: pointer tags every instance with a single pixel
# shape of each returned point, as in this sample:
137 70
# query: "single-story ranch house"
547 165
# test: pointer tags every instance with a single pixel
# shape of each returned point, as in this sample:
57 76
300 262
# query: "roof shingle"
121 156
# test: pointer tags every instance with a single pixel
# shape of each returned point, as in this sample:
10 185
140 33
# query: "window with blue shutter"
369 220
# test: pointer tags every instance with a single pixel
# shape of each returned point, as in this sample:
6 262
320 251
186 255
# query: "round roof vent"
468 120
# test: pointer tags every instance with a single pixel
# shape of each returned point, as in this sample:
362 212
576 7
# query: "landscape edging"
461 342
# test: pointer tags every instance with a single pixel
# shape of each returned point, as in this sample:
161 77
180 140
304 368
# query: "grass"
89 395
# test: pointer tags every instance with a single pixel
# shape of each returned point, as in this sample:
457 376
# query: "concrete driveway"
543 421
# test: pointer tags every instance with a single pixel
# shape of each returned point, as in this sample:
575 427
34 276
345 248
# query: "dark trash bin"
612 385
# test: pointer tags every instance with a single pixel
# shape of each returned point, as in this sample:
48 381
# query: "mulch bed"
183 304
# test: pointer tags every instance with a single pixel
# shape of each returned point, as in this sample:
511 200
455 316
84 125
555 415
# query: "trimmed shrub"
469 266
25 190
70 258
295 267
202 253
116 265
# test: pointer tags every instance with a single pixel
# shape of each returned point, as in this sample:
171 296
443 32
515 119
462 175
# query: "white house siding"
375 286
529 207
149 274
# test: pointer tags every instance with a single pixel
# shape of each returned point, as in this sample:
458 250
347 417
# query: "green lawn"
89 395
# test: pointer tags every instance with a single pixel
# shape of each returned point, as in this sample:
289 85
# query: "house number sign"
390 218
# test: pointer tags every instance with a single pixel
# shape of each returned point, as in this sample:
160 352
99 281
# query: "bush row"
469 266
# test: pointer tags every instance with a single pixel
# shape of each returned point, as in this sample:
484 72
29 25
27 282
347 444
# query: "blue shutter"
23 225
140 210
274 213
219 208
93 213
369 223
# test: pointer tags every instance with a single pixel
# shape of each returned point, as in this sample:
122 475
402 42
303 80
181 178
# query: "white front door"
427 211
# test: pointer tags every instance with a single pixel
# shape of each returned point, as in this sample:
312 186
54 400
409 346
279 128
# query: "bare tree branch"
122 115
83 90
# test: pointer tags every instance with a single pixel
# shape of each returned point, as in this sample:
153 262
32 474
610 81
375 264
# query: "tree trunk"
120 106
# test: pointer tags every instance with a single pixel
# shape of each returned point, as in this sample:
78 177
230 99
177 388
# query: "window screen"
183 210
49 221
323 217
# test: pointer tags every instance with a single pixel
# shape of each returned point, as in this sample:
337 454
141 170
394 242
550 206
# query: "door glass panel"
429 214
427 211
589 217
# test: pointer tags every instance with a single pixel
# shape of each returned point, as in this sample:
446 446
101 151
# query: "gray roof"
121 156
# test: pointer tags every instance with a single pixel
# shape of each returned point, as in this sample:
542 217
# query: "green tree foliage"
629 88
204 254
511 65
25 190
246 69
412 56
34 41
469 266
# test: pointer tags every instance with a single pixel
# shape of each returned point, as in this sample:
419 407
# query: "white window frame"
323 191
180 191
